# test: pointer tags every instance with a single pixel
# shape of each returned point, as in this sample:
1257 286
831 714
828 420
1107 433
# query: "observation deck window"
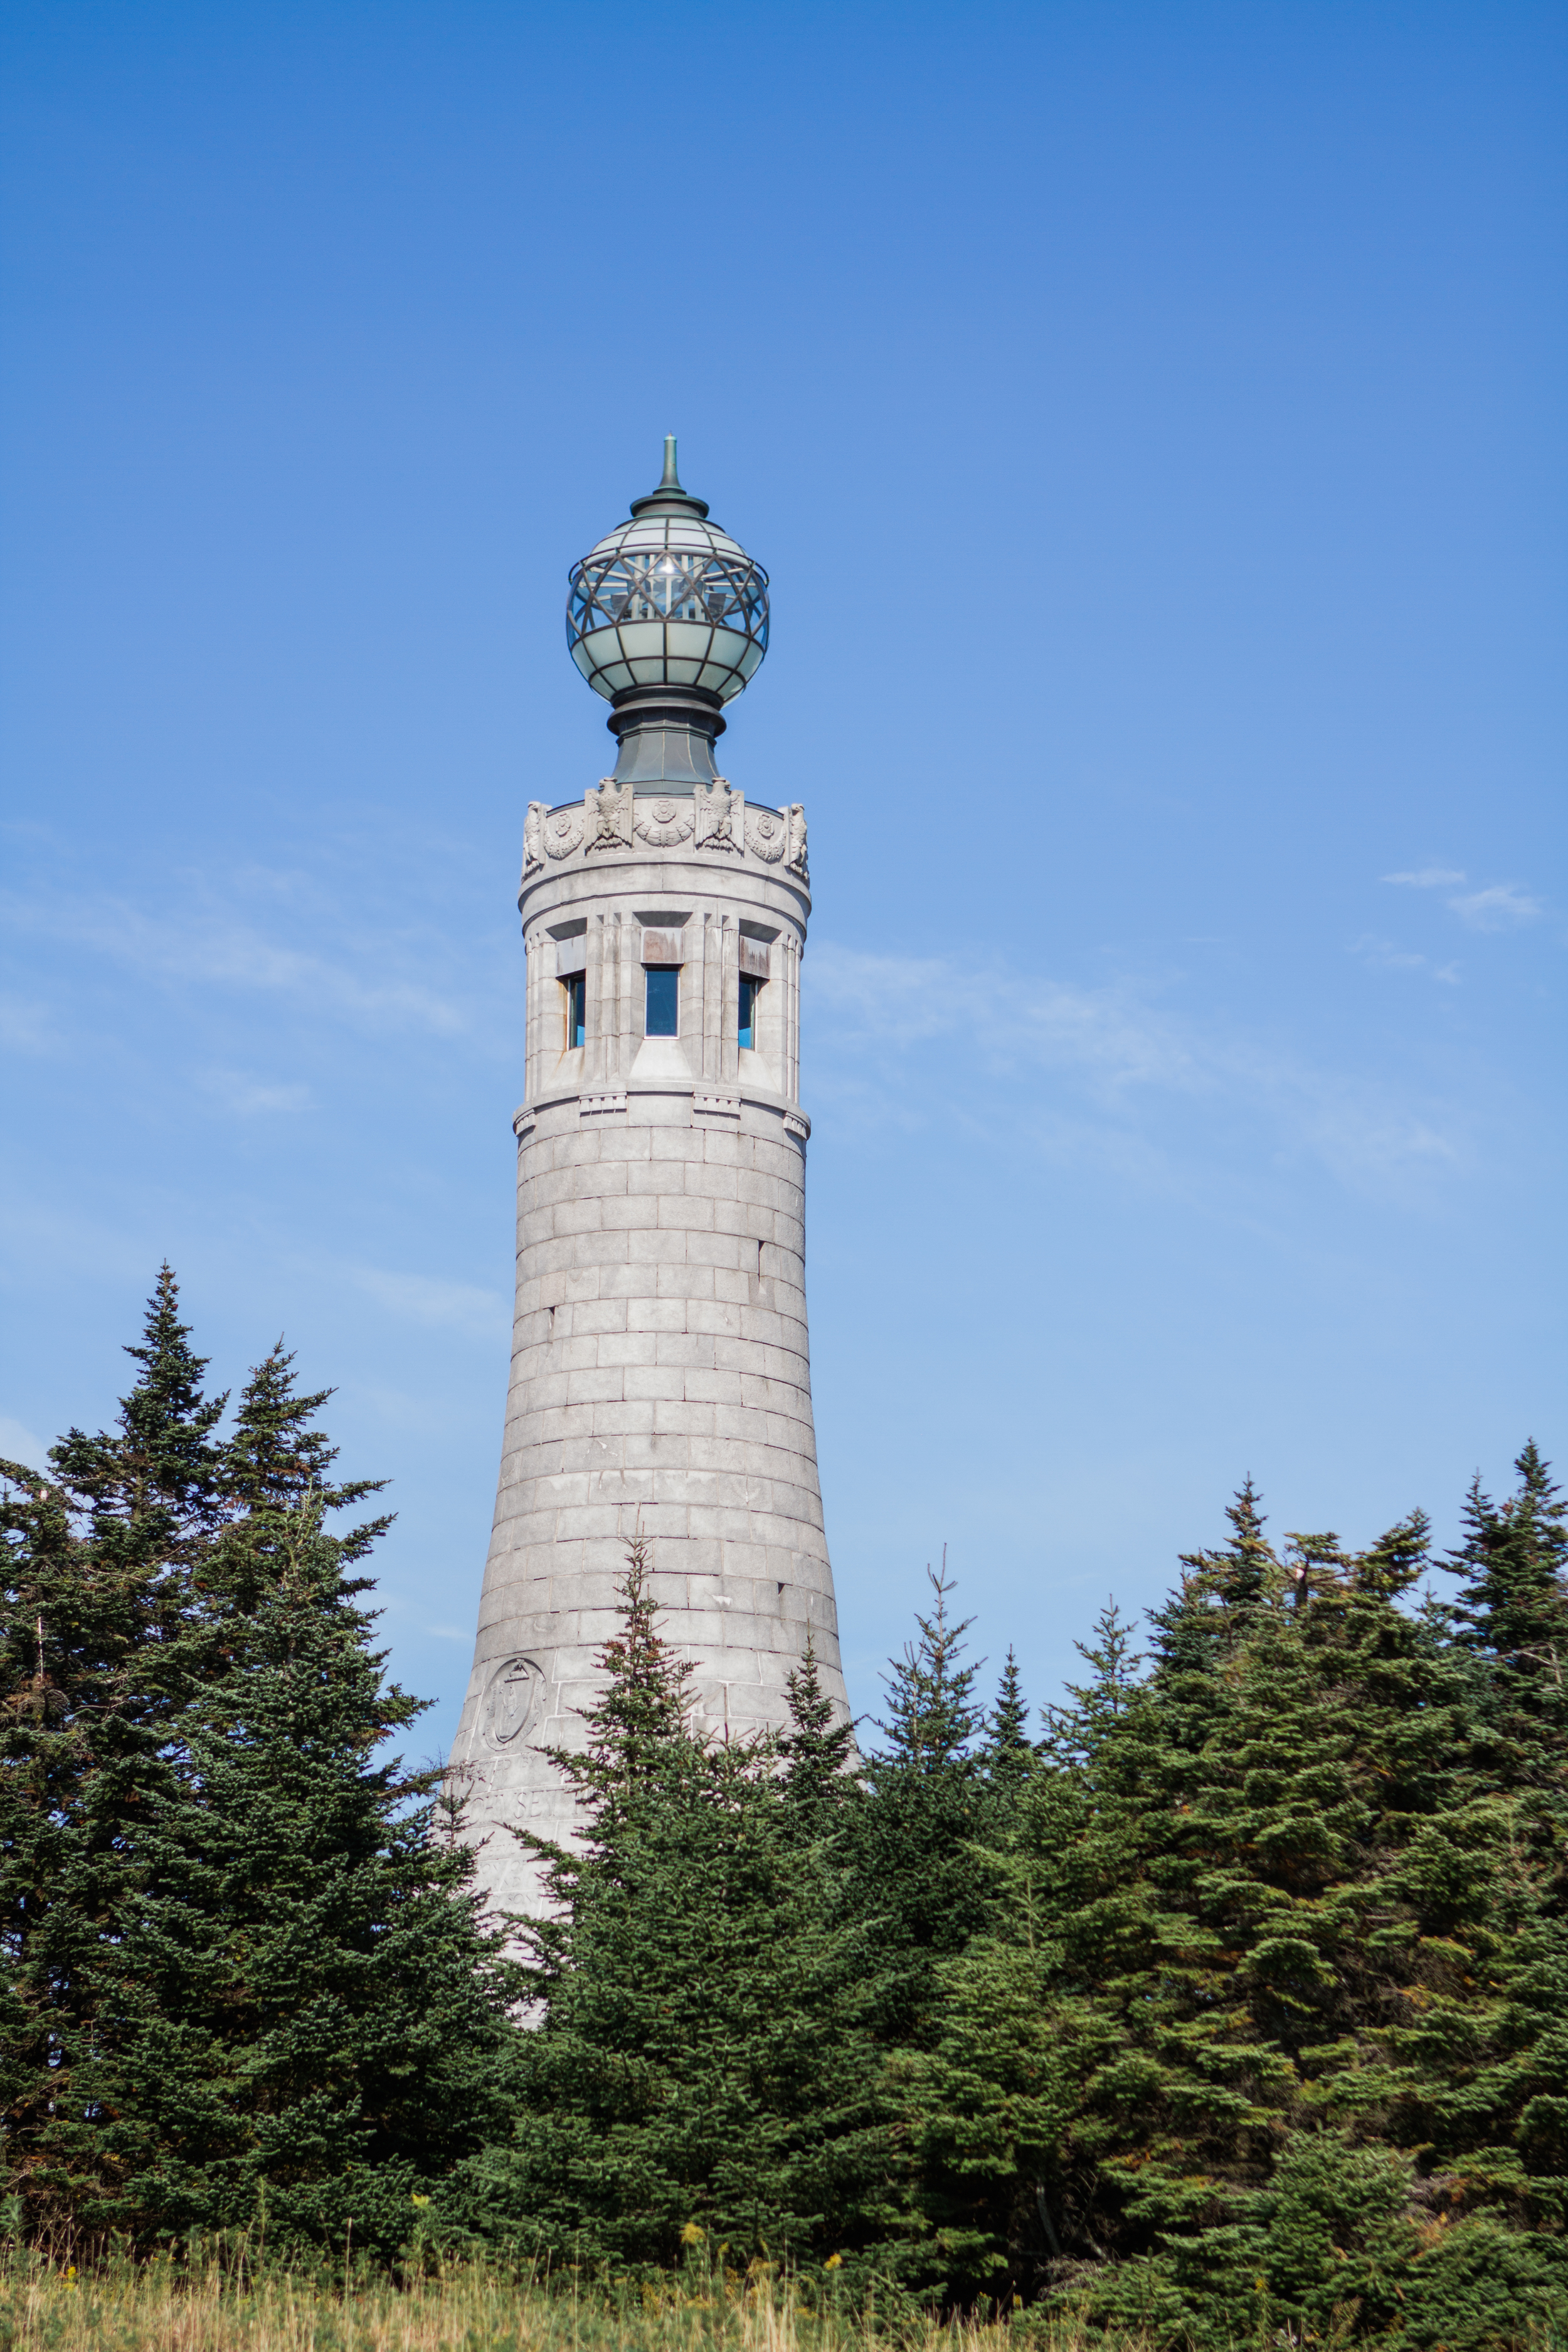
749 991
662 1012
575 990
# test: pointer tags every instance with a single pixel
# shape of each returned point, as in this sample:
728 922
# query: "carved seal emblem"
765 834
514 1696
562 832
663 821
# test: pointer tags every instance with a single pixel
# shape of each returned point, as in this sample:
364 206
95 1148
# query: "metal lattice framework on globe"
668 601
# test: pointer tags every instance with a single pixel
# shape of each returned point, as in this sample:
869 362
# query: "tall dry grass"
467 2309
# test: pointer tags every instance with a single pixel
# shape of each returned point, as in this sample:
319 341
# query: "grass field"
121 2309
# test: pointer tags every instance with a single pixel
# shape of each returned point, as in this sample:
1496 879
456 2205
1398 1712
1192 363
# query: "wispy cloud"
220 947
1501 908
1111 1036
1383 956
426 1298
249 1098
1115 1059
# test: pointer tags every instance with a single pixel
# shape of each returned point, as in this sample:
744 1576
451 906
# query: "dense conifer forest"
1221 2002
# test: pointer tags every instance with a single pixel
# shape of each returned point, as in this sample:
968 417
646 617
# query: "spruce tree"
1075 1733
1513 1614
700 2074
189 1814
817 1785
1260 2025
312 2025
1007 1753
103 1554
913 1875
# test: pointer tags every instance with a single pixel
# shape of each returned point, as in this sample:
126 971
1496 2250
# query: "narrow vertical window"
663 1012
576 991
748 1030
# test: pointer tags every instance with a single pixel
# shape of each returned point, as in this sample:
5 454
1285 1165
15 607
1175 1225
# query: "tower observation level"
660 1373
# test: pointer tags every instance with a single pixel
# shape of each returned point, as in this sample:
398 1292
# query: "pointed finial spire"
669 498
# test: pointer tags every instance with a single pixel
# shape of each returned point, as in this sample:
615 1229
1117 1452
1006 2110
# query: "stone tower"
659 1372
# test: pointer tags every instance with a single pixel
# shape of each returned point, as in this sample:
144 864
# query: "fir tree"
816 1754
158 1474
157 1833
311 2023
912 1871
101 1562
699 2075
1074 1734
932 1714
1512 1613
1266 1907
1006 1755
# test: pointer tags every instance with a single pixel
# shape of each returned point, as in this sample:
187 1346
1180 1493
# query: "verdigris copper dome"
667 600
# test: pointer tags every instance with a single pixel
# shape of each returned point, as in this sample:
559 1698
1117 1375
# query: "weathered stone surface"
660 1372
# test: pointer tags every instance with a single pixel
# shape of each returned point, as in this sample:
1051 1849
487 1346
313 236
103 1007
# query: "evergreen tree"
1075 1734
312 2026
817 1755
912 1871
1267 1911
1512 1613
101 1561
188 1815
154 1482
700 2072
1007 1756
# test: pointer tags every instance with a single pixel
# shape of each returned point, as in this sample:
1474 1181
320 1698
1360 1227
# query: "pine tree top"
932 1714
816 1752
273 1456
162 1462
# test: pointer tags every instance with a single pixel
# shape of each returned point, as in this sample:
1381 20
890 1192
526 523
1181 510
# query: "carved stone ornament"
663 821
513 1700
765 834
610 815
562 832
717 809
533 835
796 859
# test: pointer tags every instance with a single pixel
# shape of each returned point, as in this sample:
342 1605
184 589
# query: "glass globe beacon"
667 600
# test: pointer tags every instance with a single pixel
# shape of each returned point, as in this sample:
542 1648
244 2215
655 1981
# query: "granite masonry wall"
660 1373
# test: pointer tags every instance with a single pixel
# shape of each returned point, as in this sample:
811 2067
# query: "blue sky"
1152 418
